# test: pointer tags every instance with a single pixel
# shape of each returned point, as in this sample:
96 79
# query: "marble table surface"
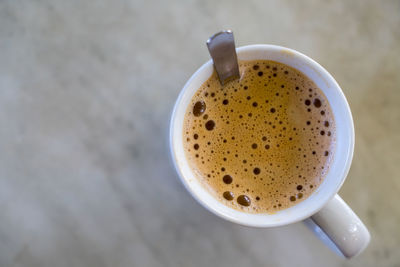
86 90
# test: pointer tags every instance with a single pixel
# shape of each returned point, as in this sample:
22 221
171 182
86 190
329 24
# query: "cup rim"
348 152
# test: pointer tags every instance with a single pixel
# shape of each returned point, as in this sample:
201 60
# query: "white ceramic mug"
324 207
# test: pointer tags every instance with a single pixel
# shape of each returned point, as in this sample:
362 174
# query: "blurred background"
86 91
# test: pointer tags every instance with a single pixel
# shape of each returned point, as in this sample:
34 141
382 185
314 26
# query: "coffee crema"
261 143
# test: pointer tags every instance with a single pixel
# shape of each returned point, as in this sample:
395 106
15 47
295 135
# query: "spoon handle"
222 50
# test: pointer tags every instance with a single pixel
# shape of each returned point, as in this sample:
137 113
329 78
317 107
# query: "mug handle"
342 226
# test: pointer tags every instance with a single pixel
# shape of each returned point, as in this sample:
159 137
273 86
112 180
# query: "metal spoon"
223 53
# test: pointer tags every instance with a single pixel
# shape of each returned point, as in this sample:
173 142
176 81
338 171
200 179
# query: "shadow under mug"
323 208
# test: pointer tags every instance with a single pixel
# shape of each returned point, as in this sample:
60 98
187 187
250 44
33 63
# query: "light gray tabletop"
86 90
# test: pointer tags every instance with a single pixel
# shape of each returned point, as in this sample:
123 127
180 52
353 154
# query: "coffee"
261 143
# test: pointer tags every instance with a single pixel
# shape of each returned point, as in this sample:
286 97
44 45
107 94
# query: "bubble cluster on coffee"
261 143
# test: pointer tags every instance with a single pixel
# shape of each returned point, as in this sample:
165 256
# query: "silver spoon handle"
222 50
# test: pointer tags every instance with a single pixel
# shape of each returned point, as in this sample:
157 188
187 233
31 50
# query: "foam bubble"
244 200
299 187
227 179
228 195
210 125
317 103
199 108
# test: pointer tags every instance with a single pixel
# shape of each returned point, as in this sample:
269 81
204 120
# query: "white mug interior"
342 157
